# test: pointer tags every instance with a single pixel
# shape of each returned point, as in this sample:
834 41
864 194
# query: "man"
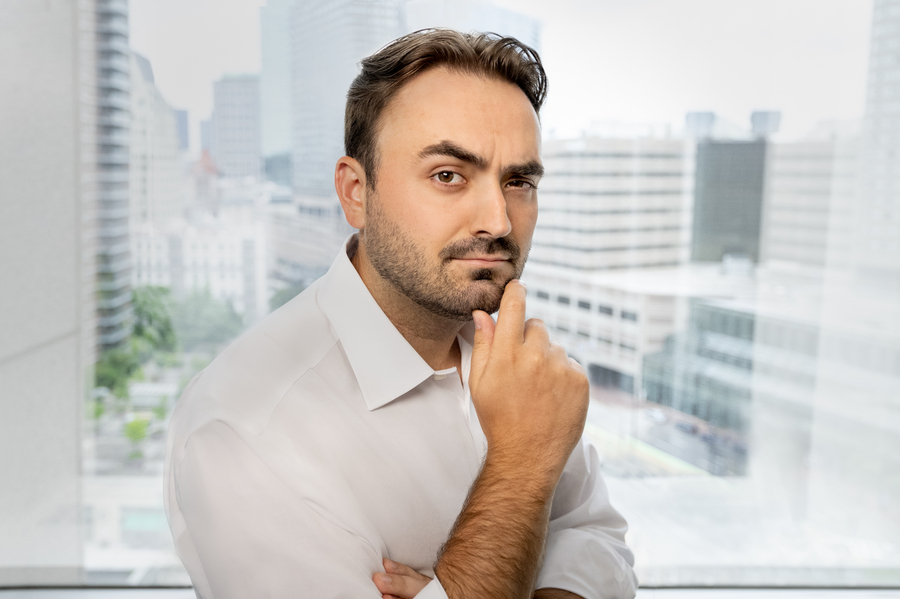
380 435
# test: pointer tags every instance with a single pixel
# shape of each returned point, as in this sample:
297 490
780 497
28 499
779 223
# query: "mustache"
480 246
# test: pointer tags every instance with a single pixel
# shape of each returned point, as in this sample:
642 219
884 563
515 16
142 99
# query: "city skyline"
730 68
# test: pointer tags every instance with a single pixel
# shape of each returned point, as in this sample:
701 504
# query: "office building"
184 141
876 219
328 40
809 187
113 158
225 256
157 180
235 143
304 237
275 89
728 193
610 204
48 265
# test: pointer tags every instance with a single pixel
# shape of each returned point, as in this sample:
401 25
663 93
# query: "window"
758 402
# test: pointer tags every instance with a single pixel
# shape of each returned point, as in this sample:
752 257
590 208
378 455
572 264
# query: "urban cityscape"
734 295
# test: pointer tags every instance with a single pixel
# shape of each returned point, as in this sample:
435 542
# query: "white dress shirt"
320 442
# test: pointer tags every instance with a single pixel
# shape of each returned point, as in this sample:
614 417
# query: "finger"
576 364
481 350
405 587
511 317
392 567
536 332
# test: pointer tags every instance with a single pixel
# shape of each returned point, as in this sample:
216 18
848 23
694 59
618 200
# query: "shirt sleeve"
586 552
248 535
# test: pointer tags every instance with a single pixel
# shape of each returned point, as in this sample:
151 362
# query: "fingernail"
477 324
388 564
385 579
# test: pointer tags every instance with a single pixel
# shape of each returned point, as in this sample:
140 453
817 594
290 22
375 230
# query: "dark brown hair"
386 71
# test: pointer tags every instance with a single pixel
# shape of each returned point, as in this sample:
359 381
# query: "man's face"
453 211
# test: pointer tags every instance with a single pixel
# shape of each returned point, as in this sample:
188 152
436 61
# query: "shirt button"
440 377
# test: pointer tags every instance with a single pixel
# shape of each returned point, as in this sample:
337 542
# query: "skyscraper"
328 40
235 142
156 171
113 125
275 88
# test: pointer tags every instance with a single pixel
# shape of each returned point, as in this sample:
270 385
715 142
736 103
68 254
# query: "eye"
521 184
448 177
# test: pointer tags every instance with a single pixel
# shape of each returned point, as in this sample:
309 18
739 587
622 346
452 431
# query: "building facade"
226 258
113 159
235 143
157 178
328 40
610 204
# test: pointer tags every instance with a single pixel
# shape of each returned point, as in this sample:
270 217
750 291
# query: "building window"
543 295
563 299
584 305
605 310
629 316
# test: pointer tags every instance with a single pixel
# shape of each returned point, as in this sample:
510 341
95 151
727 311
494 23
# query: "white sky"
608 60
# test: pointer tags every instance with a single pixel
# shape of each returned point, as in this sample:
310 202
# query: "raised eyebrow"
448 148
533 168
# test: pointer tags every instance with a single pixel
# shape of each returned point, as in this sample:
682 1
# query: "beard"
434 285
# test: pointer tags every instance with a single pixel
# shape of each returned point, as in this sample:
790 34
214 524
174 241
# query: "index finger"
511 317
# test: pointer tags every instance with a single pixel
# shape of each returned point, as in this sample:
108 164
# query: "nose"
490 217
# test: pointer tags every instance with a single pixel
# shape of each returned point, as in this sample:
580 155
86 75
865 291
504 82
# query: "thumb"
481 350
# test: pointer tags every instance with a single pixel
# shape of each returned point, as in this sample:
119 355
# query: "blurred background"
718 244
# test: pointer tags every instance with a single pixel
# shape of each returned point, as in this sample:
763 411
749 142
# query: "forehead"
481 113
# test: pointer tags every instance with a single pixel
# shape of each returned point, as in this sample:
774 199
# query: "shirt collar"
385 364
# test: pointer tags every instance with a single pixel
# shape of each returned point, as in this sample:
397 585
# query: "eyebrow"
448 148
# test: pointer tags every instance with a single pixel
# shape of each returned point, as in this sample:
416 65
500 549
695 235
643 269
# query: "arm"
246 533
531 401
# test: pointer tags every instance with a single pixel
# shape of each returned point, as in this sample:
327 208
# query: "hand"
399 581
531 398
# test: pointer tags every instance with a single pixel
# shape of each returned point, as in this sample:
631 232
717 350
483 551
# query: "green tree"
136 431
152 318
283 296
115 368
203 322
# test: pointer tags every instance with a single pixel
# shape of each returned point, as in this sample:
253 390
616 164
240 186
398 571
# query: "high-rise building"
728 195
610 206
473 15
184 140
113 123
328 40
236 143
808 188
157 182
48 266
275 89
614 203
876 219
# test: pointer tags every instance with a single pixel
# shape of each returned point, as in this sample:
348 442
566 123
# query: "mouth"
483 261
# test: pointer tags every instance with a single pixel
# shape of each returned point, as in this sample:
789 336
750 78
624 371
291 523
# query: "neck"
432 336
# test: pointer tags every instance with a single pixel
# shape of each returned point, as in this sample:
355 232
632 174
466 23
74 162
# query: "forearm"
496 546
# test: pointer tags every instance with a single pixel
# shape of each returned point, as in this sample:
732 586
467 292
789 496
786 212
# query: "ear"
350 184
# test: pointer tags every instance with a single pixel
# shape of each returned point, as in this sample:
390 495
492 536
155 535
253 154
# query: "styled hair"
384 73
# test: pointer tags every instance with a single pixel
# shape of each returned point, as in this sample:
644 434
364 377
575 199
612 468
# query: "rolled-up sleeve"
248 535
586 552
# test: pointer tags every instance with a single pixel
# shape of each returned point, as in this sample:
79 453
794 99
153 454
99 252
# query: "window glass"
721 175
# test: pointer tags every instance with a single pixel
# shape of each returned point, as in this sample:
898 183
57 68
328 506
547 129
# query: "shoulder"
246 382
